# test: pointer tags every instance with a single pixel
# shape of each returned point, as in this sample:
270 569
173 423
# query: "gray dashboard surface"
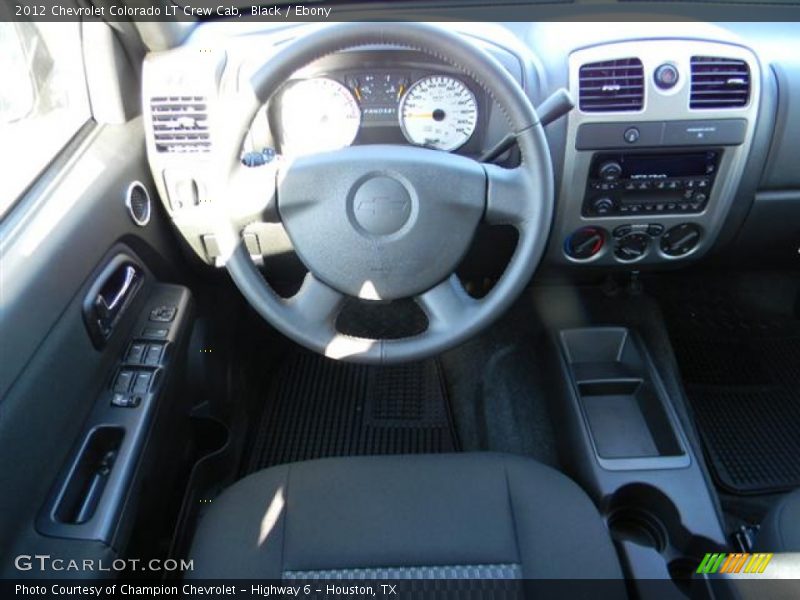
781 171
544 49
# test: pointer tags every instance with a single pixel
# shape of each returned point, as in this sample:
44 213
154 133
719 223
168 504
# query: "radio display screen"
659 166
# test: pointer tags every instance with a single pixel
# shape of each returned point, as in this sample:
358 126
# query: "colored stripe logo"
735 563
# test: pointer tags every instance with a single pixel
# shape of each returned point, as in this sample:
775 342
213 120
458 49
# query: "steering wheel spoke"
316 305
447 304
508 200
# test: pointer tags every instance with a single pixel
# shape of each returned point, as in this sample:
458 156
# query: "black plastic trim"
133 422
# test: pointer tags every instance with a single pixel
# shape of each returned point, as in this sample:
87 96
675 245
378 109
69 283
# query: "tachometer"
438 112
318 115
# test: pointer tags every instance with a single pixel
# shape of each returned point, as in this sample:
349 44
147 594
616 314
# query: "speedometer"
318 115
438 112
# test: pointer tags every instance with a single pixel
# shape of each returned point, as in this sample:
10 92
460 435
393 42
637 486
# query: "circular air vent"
137 200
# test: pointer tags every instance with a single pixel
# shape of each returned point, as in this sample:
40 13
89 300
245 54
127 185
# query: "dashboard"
673 145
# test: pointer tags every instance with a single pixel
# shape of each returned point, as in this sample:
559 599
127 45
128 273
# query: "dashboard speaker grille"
612 85
719 82
180 123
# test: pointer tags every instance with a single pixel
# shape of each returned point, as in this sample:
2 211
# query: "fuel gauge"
379 95
380 88
393 87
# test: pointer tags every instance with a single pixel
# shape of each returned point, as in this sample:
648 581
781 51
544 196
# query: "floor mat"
316 407
741 370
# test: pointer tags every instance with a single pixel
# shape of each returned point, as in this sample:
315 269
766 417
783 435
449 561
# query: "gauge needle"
358 93
428 115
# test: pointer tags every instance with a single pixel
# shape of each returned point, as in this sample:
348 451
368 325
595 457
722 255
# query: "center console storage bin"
621 399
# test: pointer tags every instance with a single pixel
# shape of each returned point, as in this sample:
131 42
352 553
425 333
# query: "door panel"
47 256
54 245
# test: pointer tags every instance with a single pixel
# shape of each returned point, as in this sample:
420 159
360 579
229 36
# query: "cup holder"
643 515
638 526
682 570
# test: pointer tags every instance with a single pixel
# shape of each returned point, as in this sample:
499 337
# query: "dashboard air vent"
180 123
719 82
612 85
137 200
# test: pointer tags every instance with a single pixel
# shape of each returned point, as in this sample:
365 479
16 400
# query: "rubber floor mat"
741 371
317 407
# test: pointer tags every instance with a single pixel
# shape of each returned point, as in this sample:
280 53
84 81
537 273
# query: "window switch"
152 356
125 401
155 332
135 353
141 384
123 381
163 314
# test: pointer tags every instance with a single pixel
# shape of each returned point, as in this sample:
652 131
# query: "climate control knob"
681 239
632 246
584 243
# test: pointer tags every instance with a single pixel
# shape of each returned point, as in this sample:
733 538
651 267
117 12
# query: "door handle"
109 296
109 309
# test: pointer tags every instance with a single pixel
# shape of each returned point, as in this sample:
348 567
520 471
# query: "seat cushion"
780 530
422 516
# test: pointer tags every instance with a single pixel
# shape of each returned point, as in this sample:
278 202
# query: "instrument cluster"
325 113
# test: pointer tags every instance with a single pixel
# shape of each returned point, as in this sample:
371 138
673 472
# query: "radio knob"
602 205
610 170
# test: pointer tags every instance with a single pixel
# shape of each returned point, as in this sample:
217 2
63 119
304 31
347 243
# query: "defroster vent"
719 82
612 85
180 123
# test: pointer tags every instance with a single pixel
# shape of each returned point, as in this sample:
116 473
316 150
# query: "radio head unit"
630 183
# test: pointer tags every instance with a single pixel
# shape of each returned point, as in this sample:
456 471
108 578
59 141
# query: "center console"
628 448
656 149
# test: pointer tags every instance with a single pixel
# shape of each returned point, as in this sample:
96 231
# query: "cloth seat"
468 515
780 530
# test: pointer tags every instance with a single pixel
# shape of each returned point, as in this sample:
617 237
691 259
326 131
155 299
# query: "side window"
43 99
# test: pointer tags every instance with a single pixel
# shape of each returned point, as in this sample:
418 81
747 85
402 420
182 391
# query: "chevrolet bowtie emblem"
370 205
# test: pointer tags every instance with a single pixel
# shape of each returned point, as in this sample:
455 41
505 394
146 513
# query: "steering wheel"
383 221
